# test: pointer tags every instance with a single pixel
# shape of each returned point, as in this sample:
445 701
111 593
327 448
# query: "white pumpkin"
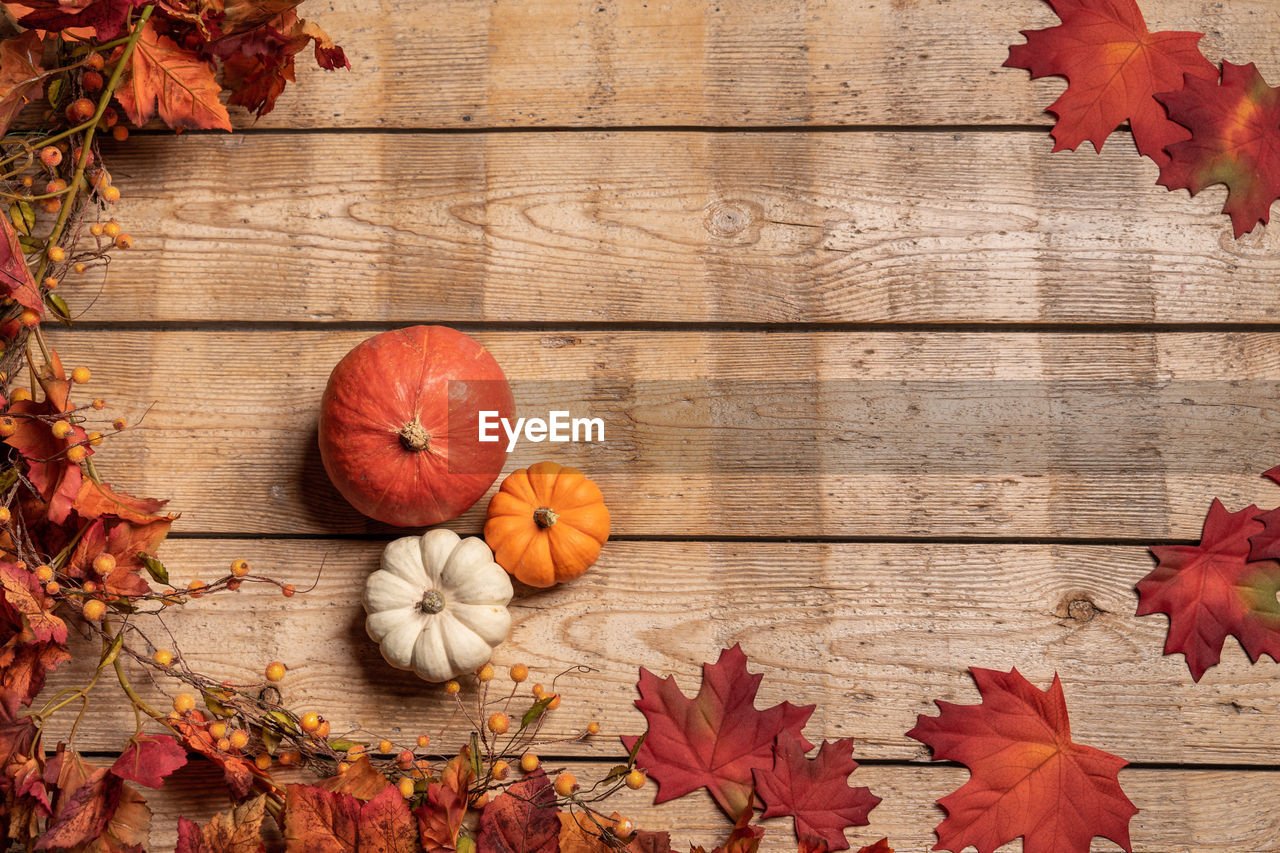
438 605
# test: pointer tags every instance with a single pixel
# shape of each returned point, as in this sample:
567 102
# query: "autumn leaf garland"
1200 127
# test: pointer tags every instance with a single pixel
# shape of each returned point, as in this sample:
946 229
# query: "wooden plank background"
1023 368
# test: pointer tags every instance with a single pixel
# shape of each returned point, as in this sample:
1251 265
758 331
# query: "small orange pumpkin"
547 524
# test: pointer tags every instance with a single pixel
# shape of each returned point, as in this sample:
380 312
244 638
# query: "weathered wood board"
954 227
921 434
871 633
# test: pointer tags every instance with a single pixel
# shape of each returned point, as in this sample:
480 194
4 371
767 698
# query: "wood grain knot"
734 219
1082 609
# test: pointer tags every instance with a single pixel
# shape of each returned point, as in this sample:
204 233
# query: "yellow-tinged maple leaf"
183 85
21 77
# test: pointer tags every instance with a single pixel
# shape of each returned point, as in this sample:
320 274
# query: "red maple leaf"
177 80
236 769
1212 590
522 819
96 500
440 817
106 17
1235 140
148 759
809 844
815 792
1027 777
1114 68
716 739
55 477
21 81
320 821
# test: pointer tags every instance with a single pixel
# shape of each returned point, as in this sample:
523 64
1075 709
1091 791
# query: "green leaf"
55 91
22 216
535 711
214 704
635 749
7 479
271 739
60 308
616 771
342 745
283 723
31 244
155 568
476 770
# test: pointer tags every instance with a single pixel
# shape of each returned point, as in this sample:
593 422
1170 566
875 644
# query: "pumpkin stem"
545 516
432 602
414 436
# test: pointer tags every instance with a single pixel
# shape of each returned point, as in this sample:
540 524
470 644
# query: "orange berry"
322 731
77 453
239 568
484 673
538 690
593 728
623 827
80 268
554 703
29 318
262 761
5 515
94 62
57 254
80 375
184 703
196 587
218 729
164 657
224 744
89 586
566 784
57 185
119 133
124 241
104 563
288 590
529 762
20 395
95 438
635 780
424 741
61 429
519 673
96 229
239 738
91 80
355 749
52 588
109 116
309 722
289 757
81 109
51 205
44 573
452 688
28 181
99 404
275 671
499 723
111 195
500 770
8 426
405 759
406 787
119 424
385 747
111 229
94 609
50 283
50 156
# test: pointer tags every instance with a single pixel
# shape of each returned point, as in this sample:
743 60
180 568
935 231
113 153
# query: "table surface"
1021 368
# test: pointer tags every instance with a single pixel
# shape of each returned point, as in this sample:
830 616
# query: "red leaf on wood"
1235 140
23 667
440 817
181 83
15 276
881 846
84 816
237 771
55 477
236 831
96 500
1211 590
148 759
20 83
320 821
716 739
1027 777
744 838
106 17
360 780
815 792
522 819
23 592
1114 67
809 844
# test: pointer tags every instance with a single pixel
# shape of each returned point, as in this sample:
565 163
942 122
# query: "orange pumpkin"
547 524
